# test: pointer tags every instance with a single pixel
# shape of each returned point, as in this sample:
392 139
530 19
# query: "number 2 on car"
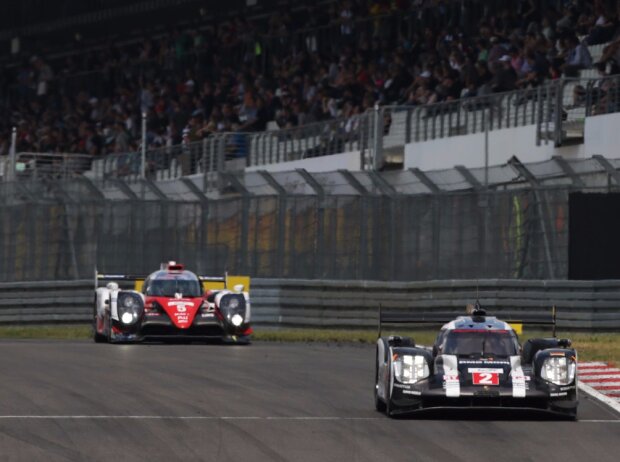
485 378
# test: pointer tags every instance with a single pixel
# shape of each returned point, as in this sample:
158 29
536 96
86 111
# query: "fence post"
378 138
221 159
143 160
204 164
11 172
486 114
557 129
539 104
408 126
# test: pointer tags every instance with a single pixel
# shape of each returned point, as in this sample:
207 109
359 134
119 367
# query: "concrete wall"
602 136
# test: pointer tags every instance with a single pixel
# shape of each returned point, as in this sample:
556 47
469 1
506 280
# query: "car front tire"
379 405
97 337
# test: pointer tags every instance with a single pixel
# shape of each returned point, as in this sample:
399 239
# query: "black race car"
477 362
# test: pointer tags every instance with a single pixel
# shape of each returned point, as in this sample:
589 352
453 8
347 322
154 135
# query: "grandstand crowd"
297 66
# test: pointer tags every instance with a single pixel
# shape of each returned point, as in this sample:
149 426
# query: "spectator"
605 24
577 56
505 78
238 74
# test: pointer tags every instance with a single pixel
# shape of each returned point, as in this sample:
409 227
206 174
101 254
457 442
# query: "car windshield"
170 287
474 343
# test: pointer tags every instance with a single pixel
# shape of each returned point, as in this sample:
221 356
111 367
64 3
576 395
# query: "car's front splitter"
162 328
540 397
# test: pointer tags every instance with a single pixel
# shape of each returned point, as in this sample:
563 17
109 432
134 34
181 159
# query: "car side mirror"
564 342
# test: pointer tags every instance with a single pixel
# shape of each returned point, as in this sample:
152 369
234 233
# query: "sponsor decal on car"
452 385
412 392
402 385
483 361
485 378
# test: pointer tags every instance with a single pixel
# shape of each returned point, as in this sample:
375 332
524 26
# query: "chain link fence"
338 225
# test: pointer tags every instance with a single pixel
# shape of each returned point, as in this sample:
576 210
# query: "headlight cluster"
129 308
559 370
410 369
232 307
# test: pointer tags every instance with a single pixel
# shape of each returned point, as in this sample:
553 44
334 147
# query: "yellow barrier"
518 327
230 283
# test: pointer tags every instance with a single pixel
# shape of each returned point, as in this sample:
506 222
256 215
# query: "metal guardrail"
588 305
46 302
581 305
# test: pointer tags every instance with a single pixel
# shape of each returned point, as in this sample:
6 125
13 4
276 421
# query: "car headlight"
129 307
232 307
237 320
559 370
410 369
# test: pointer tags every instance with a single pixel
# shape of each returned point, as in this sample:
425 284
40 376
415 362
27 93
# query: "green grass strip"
590 347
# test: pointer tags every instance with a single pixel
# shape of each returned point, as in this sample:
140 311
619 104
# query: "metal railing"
557 110
312 140
48 166
236 150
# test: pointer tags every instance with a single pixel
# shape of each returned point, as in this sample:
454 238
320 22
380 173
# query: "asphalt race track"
79 401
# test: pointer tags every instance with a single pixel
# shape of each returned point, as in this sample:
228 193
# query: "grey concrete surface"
78 401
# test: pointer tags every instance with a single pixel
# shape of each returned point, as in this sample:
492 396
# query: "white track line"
595 384
593 363
611 392
599 421
212 418
612 403
172 417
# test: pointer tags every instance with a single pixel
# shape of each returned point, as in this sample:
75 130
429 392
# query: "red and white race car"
171 302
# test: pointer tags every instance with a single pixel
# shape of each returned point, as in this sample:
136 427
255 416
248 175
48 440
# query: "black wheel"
379 405
97 337
237 339
388 405
571 414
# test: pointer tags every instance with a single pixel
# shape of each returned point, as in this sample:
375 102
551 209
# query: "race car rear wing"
208 282
517 323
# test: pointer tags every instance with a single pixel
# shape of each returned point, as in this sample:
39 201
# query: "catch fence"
402 225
